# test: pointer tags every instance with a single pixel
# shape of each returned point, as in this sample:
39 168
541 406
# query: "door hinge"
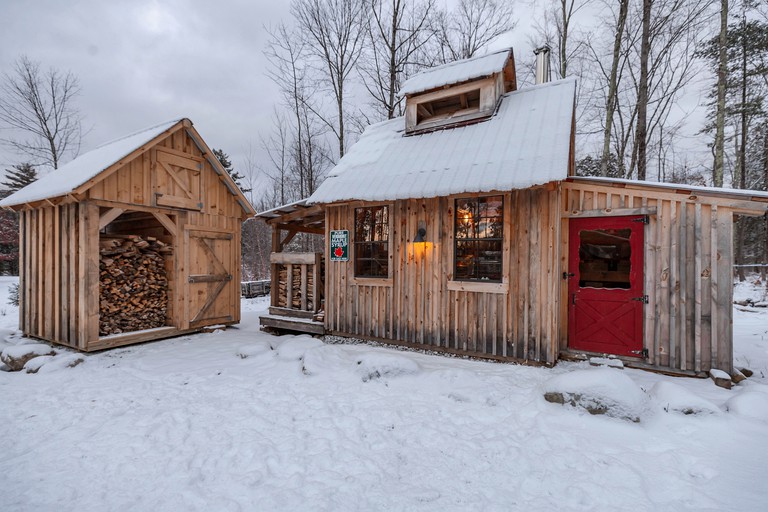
644 299
643 352
645 219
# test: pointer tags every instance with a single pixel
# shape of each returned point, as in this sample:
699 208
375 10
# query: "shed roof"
77 173
526 143
735 193
456 72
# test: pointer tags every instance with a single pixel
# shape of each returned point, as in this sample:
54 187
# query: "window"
478 236
372 242
605 257
445 108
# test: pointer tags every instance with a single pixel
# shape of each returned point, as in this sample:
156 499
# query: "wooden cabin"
136 240
461 228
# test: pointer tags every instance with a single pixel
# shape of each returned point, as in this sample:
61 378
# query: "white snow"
525 143
718 374
456 72
70 176
675 398
752 404
189 424
19 351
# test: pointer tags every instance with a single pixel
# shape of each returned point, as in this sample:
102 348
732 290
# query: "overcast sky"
142 62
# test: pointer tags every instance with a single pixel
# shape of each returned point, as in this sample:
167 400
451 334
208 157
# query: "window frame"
386 244
467 283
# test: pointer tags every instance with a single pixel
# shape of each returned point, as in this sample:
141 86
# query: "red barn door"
606 294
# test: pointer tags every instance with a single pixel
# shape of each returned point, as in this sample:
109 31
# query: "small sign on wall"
340 245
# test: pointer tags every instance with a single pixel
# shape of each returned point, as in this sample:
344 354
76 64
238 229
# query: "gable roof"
456 72
526 143
75 175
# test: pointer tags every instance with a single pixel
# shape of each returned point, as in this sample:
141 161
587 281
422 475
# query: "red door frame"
607 320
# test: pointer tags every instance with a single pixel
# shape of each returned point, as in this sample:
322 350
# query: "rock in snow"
675 398
16 357
599 391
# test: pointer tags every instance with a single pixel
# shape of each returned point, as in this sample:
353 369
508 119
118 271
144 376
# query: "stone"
15 357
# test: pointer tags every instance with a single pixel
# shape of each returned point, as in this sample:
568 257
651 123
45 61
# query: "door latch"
645 219
643 353
644 299
566 275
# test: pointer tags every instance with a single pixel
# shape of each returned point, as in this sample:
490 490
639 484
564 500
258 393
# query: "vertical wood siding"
49 273
688 251
421 304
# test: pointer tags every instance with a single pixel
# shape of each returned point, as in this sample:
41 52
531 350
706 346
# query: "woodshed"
138 239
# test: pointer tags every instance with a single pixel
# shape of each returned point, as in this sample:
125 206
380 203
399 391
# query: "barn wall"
688 259
421 304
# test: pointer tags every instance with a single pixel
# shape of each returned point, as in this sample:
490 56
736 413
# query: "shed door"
177 180
211 278
606 285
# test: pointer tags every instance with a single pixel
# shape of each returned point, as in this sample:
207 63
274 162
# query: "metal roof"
456 72
526 143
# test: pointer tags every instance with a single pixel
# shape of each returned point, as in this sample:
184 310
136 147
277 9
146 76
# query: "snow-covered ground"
241 420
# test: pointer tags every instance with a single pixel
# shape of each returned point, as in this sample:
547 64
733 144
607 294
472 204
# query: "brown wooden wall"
59 282
421 304
688 259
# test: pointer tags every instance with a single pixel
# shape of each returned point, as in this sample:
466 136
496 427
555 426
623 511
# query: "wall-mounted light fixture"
421 234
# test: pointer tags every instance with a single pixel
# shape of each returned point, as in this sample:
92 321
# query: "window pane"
372 241
604 258
478 233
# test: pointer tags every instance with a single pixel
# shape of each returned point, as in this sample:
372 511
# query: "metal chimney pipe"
542 64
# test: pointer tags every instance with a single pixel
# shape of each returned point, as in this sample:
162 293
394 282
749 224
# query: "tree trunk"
742 155
611 102
641 133
722 69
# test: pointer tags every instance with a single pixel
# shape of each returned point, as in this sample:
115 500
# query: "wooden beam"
109 216
167 223
288 258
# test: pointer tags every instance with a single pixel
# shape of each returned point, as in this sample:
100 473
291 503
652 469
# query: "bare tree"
473 24
40 105
641 132
335 31
556 30
610 104
674 29
396 31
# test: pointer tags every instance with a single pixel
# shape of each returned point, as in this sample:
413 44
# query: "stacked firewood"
295 288
134 286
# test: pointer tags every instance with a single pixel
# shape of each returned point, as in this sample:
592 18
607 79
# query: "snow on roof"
525 143
456 72
70 176
677 186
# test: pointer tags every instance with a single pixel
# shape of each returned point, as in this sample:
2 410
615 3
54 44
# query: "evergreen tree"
19 177
223 159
